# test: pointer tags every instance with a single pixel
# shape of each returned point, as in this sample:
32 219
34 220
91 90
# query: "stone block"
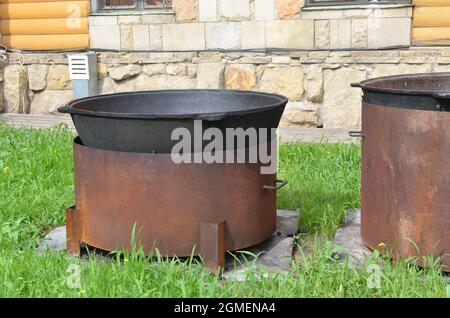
102 20
210 76
126 37
240 76
224 35
393 12
297 34
129 19
210 57
102 70
357 13
322 34
154 69
141 37
37 76
183 36
207 10
157 18
287 81
264 10
234 10
340 34
124 72
104 37
253 34
322 14
48 101
156 37
185 10
176 69
398 69
287 9
58 77
384 32
297 114
359 33
341 107
314 83
15 89
170 82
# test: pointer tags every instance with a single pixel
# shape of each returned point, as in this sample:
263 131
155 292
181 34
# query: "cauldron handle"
64 109
282 183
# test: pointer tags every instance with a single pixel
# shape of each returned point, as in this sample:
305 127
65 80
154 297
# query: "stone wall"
317 83
250 24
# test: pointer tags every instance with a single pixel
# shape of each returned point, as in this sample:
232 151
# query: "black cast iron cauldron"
144 121
405 181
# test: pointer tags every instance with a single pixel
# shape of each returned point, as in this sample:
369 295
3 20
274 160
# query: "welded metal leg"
212 245
73 230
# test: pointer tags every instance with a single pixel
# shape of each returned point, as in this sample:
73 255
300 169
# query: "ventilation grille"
79 67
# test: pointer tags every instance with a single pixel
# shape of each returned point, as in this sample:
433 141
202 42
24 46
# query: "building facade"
310 51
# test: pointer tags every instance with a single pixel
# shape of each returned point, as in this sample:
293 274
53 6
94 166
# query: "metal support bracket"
73 230
212 245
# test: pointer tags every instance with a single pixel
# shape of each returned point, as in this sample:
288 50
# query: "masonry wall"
317 83
206 44
252 24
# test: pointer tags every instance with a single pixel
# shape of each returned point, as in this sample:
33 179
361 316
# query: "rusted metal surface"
166 203
406 181
73 227
212 245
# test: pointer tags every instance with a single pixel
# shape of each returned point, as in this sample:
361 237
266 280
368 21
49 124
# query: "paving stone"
55 240
287 222
273 255
348 237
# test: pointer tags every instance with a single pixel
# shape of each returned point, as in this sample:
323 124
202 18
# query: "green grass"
36 185
323 183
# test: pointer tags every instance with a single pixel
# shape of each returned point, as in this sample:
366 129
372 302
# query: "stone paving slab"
348 238
274 254
314 135
55 240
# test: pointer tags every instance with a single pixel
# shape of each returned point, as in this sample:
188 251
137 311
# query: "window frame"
140 5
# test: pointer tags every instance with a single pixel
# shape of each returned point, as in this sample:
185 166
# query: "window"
106 5
311 3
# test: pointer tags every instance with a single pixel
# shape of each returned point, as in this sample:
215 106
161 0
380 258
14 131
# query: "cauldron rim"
277 101
368 84
403 91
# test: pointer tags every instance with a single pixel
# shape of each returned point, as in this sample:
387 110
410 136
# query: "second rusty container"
405 198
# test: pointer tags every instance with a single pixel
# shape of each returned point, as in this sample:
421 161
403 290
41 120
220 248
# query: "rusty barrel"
167 203
405 182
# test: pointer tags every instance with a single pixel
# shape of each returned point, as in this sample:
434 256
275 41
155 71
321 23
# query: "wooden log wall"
431 22
44 24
